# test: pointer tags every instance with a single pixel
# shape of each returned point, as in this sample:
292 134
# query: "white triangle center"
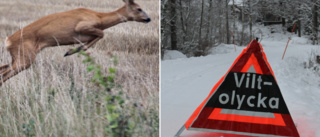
251 69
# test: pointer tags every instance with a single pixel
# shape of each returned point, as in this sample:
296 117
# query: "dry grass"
56 93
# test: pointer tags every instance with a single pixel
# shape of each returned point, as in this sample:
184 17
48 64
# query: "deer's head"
135 13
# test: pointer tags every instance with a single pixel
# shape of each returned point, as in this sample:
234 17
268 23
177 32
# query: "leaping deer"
70 27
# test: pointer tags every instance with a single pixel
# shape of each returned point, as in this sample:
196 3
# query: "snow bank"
298 40
173 54
300 88
222 49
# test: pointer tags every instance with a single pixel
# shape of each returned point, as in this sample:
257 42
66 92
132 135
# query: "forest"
193 27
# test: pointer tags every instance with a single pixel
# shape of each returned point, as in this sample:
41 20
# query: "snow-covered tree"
194 27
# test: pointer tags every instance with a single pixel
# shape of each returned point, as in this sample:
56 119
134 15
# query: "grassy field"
55 97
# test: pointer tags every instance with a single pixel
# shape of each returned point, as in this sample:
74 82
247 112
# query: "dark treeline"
195 26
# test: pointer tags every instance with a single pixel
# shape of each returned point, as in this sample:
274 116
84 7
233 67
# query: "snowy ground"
186 82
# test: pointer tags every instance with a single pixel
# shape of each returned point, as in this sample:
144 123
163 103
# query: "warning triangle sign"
246 101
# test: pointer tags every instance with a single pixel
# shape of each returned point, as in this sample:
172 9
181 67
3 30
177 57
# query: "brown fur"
70 27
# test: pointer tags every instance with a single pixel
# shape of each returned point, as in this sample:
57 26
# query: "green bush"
121 119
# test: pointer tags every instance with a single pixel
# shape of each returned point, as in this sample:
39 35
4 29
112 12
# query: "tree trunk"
299 28
250 20
227 23
173 25
208 28
183 26
220 19
234 21
201 21
283 22
315 25
299 23
164 37
242 20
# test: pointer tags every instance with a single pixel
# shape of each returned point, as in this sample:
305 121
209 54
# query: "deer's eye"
139 10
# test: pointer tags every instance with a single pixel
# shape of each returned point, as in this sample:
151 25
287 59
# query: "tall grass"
55 97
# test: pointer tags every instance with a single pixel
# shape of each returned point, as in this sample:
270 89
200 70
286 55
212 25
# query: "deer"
79 26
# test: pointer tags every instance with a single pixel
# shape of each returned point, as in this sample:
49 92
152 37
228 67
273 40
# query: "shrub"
122 118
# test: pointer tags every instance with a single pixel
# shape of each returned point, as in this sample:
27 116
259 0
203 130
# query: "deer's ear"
129 2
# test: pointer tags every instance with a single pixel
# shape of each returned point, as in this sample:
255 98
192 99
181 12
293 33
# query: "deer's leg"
20 61
82 47
3 68
17 66
8 73
11 71
87 28
91 43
